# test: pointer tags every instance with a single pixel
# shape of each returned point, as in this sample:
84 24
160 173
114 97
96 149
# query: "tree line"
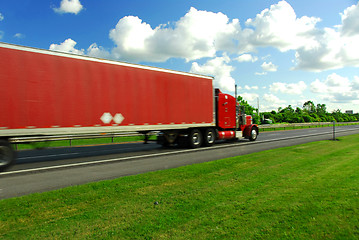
307 114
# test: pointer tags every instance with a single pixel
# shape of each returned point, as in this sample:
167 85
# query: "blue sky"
279 52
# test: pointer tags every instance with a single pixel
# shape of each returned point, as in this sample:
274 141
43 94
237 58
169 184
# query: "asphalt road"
50 169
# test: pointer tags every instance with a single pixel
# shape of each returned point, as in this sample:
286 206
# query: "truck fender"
247 132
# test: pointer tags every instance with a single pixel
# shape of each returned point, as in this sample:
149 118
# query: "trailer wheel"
254 134
7 155
195 138
163 141
209 137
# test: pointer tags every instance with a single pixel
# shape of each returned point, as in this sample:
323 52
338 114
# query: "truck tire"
254 134
209 136
7 155
195 138
163 141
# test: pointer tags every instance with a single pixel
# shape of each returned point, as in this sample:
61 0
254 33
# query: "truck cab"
231 120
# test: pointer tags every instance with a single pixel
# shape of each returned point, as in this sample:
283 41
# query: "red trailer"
53 93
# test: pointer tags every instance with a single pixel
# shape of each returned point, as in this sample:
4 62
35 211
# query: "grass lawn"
308 191
279 127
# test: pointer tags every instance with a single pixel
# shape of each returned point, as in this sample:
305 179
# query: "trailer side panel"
49 91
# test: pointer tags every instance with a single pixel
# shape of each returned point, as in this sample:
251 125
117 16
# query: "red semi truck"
48 93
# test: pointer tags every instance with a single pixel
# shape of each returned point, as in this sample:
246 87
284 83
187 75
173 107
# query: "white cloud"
261 74
246 58
266 57
335 52
219 68
316 49
98 51
131 36
19 35
67 46
269 67
250 88
69 6
279 27
350 24
196 35
355 83
251 98
272 99
288 88
199 34
337 47
1 32
337 89
270 102
333 83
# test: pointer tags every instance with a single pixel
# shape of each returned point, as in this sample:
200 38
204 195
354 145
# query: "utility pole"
235 91
259 118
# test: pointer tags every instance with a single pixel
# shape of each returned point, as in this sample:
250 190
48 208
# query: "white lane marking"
162 154
98 162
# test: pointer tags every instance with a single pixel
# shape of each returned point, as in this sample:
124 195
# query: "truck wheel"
7 155
253 135
209 137
165 143
195 138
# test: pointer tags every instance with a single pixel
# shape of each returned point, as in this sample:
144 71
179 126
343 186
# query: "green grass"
308 191
273 127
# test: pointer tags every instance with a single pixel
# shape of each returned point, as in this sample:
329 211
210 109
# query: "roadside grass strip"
280 127
309 191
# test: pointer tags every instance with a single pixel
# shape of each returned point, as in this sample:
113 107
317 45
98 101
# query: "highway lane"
87 164
58 156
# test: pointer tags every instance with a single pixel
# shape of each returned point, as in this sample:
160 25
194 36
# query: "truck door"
226 110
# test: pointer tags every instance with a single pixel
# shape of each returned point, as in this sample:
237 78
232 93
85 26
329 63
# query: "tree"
299 111
288 114
307 118
321 109
315 117
298 119
249 110
338 115
309 113
309 107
